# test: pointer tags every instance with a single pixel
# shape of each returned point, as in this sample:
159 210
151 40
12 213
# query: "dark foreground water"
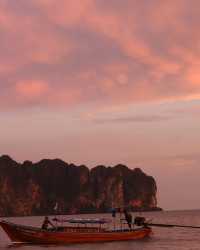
163 238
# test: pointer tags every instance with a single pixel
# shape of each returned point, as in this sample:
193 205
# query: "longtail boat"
72 234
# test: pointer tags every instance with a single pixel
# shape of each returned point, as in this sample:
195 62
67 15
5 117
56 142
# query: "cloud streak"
134 119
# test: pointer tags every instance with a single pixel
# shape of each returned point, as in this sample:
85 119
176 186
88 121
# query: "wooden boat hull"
26 234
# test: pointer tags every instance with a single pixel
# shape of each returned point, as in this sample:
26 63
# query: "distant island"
54 186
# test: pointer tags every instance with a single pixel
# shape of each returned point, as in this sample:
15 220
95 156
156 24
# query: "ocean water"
162 238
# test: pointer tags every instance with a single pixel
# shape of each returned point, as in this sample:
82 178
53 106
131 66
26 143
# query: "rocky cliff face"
34 189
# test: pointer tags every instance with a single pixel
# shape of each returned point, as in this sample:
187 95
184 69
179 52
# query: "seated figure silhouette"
47 223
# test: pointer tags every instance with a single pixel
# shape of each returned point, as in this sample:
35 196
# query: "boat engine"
139 221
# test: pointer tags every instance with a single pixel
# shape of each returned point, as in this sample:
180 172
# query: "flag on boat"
56 206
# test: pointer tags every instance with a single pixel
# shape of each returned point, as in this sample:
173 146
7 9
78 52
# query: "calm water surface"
163 238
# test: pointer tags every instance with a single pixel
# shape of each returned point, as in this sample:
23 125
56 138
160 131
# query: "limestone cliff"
34 189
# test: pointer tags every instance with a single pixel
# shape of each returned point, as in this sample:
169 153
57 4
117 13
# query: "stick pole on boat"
120 216
114 217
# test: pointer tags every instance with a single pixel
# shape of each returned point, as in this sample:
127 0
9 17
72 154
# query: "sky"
105 82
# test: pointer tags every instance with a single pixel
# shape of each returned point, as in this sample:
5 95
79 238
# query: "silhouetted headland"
34 188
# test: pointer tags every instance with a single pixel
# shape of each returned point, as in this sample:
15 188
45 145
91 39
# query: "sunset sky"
105 82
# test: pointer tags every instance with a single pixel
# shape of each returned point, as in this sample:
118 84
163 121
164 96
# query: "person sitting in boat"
47 223
128 218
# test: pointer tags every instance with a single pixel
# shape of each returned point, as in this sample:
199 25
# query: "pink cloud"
99 52
31 89
66 13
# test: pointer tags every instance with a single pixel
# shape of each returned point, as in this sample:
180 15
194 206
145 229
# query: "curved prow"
16 232
9 230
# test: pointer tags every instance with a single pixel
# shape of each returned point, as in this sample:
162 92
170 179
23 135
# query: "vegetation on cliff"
34 189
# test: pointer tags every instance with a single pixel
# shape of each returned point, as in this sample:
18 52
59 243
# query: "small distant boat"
72 234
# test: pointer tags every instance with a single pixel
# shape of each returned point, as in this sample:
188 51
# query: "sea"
162 238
